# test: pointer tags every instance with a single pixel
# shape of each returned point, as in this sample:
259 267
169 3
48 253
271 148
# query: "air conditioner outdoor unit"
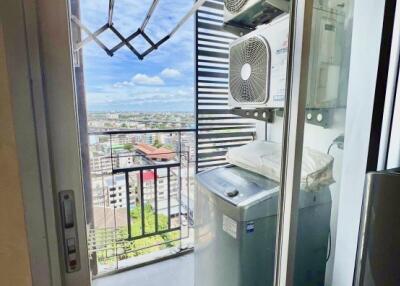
258 67
251 13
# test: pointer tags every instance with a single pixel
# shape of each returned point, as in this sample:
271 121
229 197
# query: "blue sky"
163 81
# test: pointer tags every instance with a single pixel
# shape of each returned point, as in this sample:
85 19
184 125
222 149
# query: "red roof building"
147 176
154 153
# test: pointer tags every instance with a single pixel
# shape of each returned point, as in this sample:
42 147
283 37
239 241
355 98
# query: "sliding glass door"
334 62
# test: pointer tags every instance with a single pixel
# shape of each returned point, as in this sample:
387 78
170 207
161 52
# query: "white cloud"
109 79
144 79
183 92
170 73
123 84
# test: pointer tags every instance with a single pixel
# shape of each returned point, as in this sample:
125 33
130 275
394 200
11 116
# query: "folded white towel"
264 158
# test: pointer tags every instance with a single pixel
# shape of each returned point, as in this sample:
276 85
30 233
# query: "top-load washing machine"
235 233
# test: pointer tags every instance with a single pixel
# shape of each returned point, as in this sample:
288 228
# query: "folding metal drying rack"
94 36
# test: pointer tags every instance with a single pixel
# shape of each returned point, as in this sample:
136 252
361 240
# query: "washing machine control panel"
232 193
234 184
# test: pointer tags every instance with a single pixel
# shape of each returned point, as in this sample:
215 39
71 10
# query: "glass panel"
235 242
324 133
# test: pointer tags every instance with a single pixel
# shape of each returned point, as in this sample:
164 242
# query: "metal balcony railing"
142 197
154 168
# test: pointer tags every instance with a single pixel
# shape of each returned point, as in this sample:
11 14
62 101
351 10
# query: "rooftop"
155 153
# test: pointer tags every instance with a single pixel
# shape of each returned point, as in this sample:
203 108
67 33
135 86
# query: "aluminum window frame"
293 135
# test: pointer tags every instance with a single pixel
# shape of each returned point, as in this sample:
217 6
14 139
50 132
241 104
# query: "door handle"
69 231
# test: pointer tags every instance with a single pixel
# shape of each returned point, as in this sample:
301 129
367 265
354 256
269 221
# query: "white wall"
14 252
19 23
367 27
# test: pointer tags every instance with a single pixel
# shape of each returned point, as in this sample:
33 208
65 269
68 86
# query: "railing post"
142 202
128 205
155 200
180 173
111 150
169 196
187 189
180 190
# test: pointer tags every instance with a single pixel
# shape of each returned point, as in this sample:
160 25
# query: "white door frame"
292 148
364 62
39 62
392 109
393 160
62 121
24 71
389 149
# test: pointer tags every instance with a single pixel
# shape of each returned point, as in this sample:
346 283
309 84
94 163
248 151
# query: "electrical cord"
329 246
339 142
330 147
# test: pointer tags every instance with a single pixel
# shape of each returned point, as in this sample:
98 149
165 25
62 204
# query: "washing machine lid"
238 186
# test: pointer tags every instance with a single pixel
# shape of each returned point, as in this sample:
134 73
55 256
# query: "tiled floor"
174 272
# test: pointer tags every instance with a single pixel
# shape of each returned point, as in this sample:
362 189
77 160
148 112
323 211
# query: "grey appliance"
379 243
251 13
235 233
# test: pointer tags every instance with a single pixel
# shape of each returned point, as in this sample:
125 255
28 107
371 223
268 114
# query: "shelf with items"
322 116
263 114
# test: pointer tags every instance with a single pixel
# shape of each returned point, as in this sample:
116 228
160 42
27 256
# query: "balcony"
173 272
142 197
142 194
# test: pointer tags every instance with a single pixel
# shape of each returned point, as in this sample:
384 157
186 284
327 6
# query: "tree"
128 147
136 247
157 143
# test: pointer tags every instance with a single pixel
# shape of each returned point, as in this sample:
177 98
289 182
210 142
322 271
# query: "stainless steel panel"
379 244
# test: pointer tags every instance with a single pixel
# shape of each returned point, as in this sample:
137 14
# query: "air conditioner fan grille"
234 6
251 87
